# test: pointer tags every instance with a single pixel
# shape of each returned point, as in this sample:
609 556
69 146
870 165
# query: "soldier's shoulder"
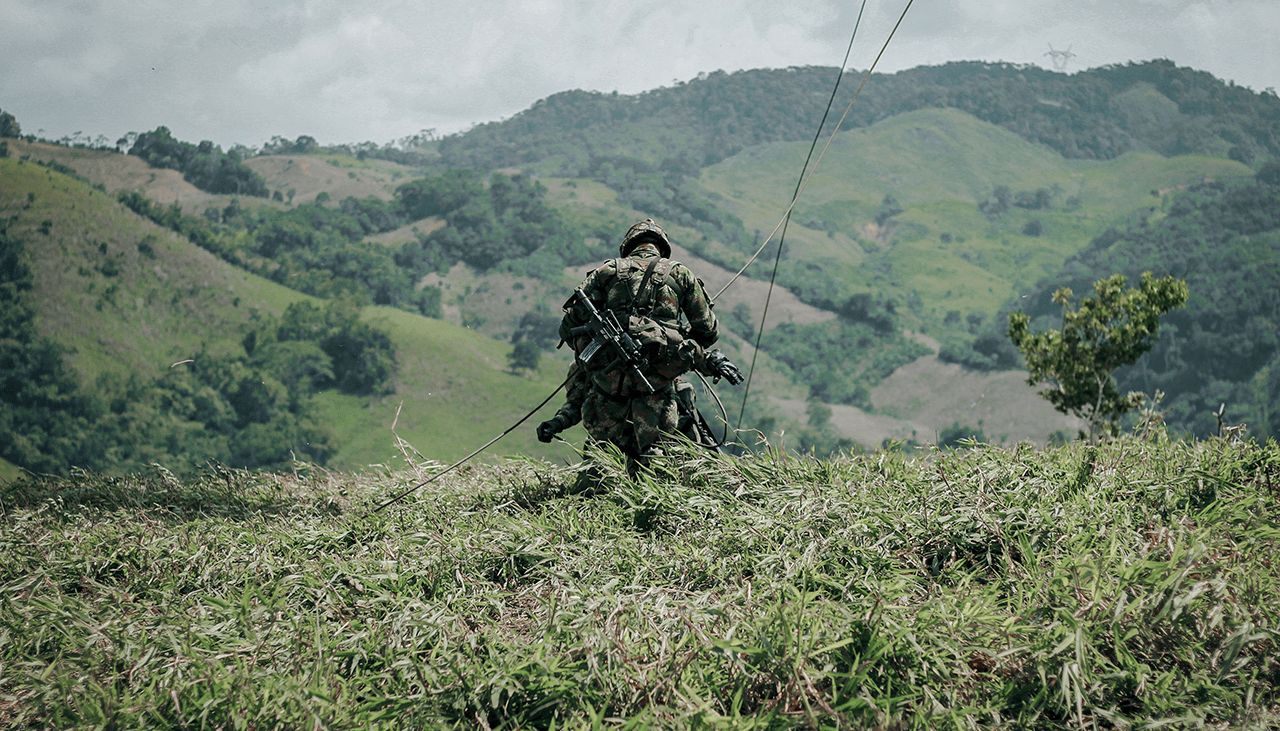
682 271
609 267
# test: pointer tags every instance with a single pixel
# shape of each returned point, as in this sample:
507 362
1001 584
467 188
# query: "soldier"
627 390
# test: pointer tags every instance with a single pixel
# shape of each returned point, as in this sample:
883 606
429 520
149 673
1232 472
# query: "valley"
926 224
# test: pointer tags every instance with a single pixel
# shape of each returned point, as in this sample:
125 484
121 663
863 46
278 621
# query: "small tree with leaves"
524 355
1099 336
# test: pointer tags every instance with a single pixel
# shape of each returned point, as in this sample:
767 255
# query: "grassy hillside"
117 172
125 294
940 262
338 175
9 471
1126 586
940 164
129 297
457 393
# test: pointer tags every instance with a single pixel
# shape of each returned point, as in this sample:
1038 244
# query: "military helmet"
644 231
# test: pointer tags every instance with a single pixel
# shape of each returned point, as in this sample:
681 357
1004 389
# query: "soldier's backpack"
665 352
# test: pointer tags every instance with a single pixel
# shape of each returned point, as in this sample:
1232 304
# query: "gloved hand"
720 366
548 429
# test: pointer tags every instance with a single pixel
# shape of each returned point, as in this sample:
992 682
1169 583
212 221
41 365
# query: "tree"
1096 338
524 355
9 126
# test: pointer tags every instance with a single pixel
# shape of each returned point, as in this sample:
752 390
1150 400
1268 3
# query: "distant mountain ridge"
1097 114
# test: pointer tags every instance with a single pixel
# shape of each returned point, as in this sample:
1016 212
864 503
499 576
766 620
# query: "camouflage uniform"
612 404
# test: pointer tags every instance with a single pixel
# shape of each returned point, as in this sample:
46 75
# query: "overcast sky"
242 71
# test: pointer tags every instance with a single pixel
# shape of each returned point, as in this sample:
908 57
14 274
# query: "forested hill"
1223 347
1099 114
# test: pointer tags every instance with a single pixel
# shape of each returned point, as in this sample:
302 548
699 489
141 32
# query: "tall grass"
1129 585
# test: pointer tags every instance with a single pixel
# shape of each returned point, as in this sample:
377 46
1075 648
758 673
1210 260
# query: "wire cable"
800 187
820 155
488 444
787 218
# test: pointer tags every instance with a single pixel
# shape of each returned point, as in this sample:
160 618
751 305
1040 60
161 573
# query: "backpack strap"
660 281
639 295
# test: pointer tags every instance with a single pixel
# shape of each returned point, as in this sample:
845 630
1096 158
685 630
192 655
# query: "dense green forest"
1223 238
1093 114
204 165
247 408
321 250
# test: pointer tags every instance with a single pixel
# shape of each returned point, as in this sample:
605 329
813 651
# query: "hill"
303 177
493 303
954 190
939 252
1219 355
1094 114
126 298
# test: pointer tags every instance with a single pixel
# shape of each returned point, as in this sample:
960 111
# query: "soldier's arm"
576 386
592 286
576 389
696 305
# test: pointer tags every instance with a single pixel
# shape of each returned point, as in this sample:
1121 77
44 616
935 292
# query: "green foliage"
1096 338
1269 174
508 220
45 419
438 195
1131 585
428 301
1096 114
989 351
954 435
303 145
310 248
840 361
250 411
664 192
741 323
9 126
1224 239
361 356
539 327
524 354
205 165
373 214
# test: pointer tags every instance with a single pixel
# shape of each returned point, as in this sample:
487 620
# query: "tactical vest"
665 351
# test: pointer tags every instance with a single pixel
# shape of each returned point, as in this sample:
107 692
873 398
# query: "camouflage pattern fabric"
610 407
615 284
635 424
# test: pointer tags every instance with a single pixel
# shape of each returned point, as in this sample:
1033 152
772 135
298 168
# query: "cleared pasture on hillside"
1129 585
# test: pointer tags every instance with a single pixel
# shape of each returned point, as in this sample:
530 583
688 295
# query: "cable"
800 187
724 415
787 218
820 155
488 444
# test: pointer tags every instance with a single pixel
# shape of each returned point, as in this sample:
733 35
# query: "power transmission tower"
1060 58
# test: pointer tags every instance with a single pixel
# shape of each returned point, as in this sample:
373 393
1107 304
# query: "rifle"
604 330
702 434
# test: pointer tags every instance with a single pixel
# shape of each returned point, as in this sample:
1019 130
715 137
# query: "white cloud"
237 71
